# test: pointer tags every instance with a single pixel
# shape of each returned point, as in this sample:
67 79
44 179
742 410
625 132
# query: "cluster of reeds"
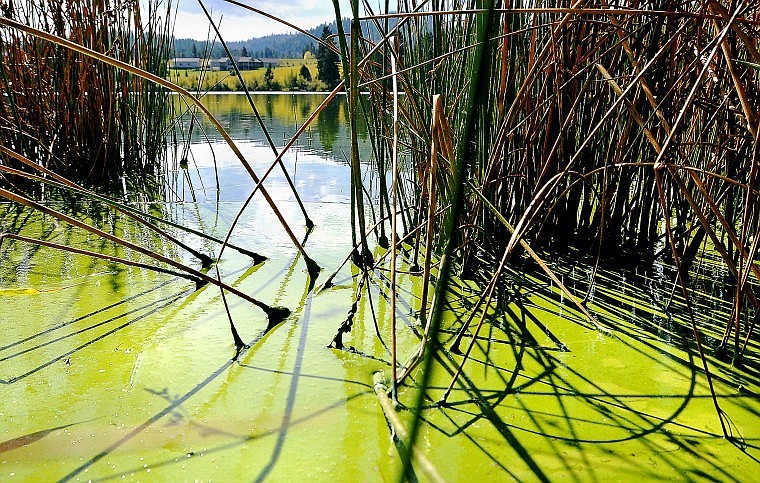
84 119
629 133
501 128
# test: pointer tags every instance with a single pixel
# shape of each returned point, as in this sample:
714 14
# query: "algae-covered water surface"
110 372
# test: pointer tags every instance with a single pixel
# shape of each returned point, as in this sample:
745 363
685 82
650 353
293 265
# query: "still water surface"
110 372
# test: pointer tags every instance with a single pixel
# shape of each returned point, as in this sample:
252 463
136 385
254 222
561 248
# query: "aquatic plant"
516 134
86 120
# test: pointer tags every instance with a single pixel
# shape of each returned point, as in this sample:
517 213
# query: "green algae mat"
111 372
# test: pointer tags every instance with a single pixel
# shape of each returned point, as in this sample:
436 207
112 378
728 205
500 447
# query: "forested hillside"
279 46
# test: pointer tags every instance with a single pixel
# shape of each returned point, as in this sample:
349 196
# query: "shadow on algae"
110 372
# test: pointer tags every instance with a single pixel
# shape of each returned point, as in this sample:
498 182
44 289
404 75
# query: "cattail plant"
83 119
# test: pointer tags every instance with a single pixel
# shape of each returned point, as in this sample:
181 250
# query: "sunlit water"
113 372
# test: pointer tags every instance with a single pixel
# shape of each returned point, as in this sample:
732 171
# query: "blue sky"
241 24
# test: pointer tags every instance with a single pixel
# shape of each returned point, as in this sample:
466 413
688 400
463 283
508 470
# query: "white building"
185 63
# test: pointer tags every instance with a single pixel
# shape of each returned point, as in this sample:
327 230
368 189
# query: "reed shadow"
31 438
568 385
152 307
287 416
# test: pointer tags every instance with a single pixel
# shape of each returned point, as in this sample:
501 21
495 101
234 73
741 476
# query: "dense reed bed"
82 118
627 133
619 133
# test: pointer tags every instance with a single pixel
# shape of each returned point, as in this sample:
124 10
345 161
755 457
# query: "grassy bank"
285 76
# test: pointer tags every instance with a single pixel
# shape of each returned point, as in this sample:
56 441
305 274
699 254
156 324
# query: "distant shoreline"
241 93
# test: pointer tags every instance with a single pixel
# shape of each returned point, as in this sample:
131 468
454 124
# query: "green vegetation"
277 46
327 60
305 73
288 76
602 130
529 150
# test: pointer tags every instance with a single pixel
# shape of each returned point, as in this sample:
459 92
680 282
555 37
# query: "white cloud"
240 24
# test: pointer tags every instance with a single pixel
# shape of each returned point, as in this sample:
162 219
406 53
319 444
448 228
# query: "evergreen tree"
245 52
305 73
327 61
269 83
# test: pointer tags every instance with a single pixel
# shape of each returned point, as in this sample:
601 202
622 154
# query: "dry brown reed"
626 134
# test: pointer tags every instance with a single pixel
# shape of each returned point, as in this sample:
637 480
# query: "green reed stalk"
478 74
394 222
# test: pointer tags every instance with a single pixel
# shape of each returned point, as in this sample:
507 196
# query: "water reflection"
328 126
282 115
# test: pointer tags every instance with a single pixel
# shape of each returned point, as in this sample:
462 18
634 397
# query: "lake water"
110 372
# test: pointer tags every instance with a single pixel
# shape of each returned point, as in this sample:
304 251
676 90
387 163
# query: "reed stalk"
206 261
307 220
394 224
381 391
123 261
478 79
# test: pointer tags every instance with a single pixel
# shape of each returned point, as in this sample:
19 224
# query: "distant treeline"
280 46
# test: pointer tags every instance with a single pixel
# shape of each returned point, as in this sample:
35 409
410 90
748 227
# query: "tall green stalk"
479 78
350 59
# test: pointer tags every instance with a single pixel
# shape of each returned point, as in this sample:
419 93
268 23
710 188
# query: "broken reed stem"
206 261
130 211
277 313
440 136
312 266
239 344
57 246
329 280
400 431
439 140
